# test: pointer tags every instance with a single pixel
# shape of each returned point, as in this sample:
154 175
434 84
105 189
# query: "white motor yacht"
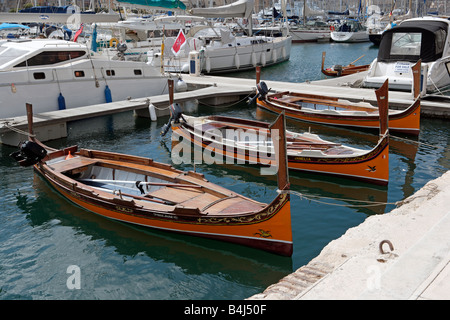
402 46
350 31
58 74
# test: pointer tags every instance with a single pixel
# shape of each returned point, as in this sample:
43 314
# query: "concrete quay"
400 255
346 88
211 90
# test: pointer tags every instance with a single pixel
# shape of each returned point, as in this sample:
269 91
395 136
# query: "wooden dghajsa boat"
339 70
336 112
141 191
250 142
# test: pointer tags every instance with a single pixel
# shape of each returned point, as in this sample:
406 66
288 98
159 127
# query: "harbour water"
43 237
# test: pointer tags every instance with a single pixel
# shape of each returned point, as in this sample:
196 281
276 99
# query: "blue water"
42 235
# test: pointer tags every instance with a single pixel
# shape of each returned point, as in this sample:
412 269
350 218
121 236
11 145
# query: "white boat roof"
13 52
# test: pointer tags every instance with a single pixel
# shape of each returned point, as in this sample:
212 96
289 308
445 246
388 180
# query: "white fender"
254 62
237 61
152 111
208 64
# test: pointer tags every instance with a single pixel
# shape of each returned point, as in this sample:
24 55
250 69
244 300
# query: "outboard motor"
338 69
29 153
262 92
175 115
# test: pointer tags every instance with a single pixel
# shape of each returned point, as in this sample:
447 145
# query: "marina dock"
400 255
211 90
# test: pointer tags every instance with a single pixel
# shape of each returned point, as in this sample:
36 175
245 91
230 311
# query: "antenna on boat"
278 134
383 105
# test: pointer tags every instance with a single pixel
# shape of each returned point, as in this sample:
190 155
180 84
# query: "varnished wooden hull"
407 121
268 229
371 166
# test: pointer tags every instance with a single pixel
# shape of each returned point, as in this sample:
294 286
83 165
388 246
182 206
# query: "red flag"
77 34
179 43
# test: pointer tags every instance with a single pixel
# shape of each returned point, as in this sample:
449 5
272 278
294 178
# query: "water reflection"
193 255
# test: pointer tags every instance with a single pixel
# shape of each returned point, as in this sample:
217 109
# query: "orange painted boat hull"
408 121
268 230
372 167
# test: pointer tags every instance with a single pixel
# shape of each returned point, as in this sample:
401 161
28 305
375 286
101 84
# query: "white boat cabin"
402 46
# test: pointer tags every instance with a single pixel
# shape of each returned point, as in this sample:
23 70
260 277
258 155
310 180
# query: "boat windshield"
8 54
411 41
406 44
51 57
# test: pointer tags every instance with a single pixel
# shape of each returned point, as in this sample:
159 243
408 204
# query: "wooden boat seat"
74 165
182 194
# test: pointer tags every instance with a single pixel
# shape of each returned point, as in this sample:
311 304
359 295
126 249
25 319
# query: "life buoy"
113 42
332 28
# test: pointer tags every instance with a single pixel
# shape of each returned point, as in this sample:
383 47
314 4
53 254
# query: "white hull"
402 46
251 51
246 57
309 35
80 81
437 76
44 96
359 36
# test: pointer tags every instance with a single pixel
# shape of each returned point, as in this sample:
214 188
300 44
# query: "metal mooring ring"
389 243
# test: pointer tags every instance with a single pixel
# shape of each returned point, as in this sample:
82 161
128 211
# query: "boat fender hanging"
108 96
274 55
263 58
61 102
180 85
208 64
13 88
283 52
254 62
152 111
237 61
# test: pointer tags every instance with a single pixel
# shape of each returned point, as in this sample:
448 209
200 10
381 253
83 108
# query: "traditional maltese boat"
337 112
340 70
141 191
250 142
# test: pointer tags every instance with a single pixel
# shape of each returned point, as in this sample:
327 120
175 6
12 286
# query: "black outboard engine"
262 92
29 153
175 115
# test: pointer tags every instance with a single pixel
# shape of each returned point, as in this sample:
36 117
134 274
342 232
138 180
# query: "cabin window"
79 73
39 75
110 73
406 44
8 54
138 72
51 57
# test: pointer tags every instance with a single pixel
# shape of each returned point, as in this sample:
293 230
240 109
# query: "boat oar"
356 60
139 184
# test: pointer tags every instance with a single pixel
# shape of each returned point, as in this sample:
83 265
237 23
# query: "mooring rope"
19 131
431 187
313 198
233 104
